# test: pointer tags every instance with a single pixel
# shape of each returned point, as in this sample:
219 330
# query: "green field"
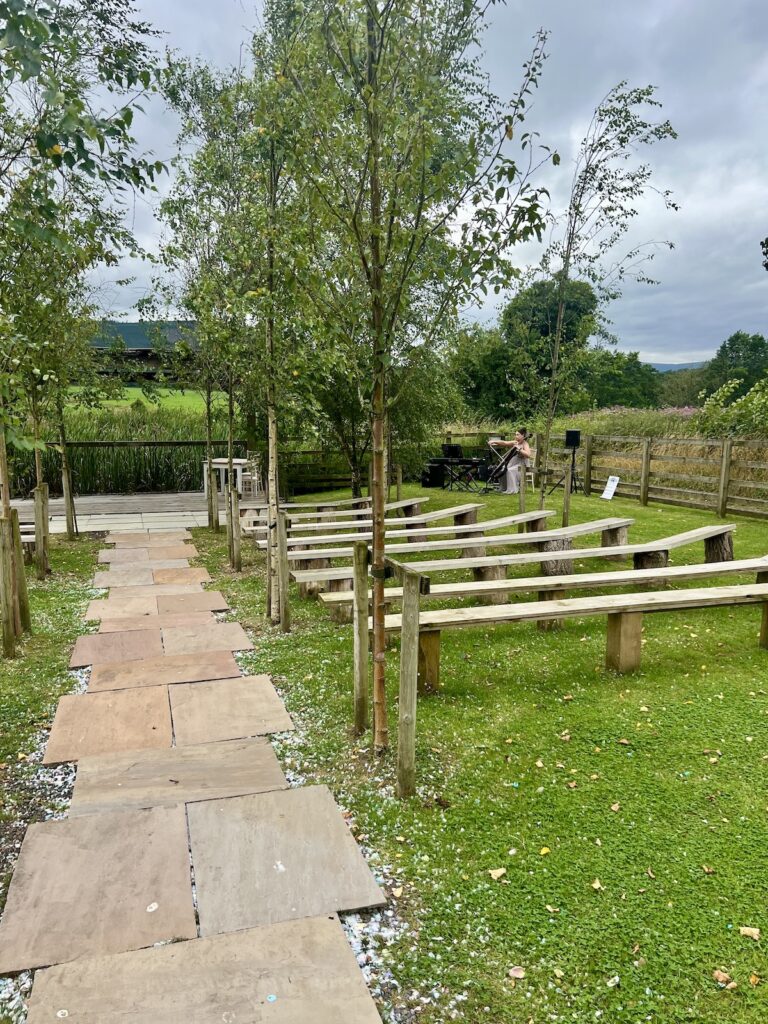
167 398
629 813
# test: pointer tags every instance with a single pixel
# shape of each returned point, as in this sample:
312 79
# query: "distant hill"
666 367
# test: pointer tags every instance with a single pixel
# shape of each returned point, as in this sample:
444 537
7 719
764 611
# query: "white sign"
610 488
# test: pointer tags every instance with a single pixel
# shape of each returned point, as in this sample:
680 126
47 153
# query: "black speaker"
452 451
572 438
433 475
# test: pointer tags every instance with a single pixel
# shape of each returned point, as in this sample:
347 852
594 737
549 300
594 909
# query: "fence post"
360 628
22 597
645 471
41 532
588 465
409 670
282 571
567 487
523 481
725 478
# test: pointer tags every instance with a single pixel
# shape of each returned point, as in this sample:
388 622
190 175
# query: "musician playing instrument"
519 460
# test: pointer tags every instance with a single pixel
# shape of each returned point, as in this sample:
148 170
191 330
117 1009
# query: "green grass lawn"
643 871
168 398
629 813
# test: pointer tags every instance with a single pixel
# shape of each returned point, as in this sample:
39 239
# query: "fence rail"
722 475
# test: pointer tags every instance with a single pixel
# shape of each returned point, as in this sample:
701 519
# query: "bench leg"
341 612
548 624
719 549
651 560
313 589
468 519
491 572
536 525
429 661
764 627
560 567
622 652
414 537
613 539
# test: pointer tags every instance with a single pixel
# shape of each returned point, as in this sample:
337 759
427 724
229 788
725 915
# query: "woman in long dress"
519 462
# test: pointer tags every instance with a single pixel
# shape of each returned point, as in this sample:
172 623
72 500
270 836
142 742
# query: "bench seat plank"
574 581
500 540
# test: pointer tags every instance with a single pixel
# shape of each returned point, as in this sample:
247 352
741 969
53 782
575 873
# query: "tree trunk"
11 570
66 478
230 469
273 479
378 408
213 492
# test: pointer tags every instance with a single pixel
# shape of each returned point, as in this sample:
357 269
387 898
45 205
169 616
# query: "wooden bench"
649 554
530 519
540 538
407 507
550 585
624 612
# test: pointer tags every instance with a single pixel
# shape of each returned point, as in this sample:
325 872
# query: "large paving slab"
176 668
227 709
221 636
156 551
173 575
154 778
100 883
121 607
134 622
102 649
295 972
275 857
206 600
146 538
160 590
123 556
125 576
86 724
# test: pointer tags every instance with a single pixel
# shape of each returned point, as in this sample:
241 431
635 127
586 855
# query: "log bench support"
491 572
547 625
651 560
468 519
561 567
342 613
623 645
614 538
719 548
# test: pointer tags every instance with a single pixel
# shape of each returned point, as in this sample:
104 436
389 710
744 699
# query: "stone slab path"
182 829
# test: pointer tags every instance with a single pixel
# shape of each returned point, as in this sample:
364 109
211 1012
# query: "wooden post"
623 647
587 465
614 538
360 627
764 627
521 495
409 669
69 505
41 546
6 587
399 482
283 574
22 597
568 484
645 471
491 572
537 461
429 661
237 556
213 498
545 625
725 477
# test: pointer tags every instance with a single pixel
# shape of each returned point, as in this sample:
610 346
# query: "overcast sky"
709 60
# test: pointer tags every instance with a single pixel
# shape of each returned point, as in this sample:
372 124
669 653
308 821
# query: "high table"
221 466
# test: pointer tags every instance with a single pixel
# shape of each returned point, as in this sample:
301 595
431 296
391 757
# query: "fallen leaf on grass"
721 977
616 807
568 696
597 885
750 933
397 893
707 869
497 873
558 973
572 784
565 736
539 763
754 980
624 743
544 851
613 982
650 873
551 909
517 973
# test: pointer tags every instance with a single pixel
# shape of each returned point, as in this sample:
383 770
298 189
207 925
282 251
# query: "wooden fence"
728 477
